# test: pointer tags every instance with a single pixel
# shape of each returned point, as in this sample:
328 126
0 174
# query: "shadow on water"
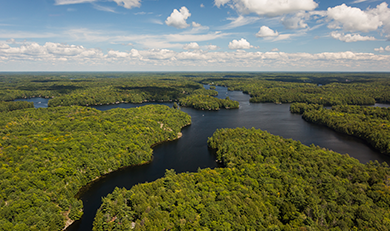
190 152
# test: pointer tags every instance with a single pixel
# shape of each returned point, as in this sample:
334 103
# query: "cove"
190 152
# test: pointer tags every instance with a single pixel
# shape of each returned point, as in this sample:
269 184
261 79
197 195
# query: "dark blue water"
38 102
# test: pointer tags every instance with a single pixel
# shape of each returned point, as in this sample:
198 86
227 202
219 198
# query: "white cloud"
239 21
142 40
194 24
202 5
220 3
381 49
283 37
350 37
77 57
269 7
49 51
296 22
355 19
275 50
104 8
191 46
128 4
68 2
265 31
239 44
124 3
178 18
358 1
211 47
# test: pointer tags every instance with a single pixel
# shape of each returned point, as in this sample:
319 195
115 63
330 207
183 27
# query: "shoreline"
69 222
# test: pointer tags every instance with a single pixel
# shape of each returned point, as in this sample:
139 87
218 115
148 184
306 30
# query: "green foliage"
269 183
353 91
11 106
47 155
205 102
369 123
300 108
67 90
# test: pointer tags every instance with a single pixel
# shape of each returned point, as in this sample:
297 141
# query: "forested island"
268 183
47 155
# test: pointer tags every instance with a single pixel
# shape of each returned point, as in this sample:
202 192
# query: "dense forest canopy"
269 183
106 88
323 89
47 155
369 123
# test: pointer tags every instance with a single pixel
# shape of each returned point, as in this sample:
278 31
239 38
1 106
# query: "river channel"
190 152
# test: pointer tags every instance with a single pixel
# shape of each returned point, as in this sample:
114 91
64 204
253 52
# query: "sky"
192 35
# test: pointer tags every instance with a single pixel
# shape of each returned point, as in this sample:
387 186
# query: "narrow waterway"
190 153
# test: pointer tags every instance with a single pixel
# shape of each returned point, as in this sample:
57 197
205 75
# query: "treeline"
11 106
300 108
269 183
95 90
47 155
288 91
372 124
205 102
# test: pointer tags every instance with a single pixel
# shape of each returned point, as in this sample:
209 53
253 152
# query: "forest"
14 105
337 91
268 183
205 102
48 154
93 91
372 124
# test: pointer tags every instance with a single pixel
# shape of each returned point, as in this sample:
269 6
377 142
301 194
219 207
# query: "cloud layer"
60 54
351 37
124 3
268 7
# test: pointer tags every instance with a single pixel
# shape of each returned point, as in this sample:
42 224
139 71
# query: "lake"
190 152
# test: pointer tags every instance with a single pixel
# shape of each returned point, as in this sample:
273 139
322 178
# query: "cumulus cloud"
178 18
211 47
202 5
267 7
239 44
124 3
296 22
275 49
381 49
79 56
191 46
265 31
220 3
355 19
350 37
194 24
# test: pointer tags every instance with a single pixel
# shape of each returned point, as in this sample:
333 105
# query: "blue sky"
192 35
